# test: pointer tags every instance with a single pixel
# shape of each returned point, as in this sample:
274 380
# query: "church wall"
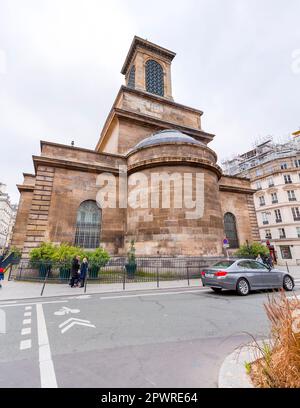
160 109
70 189
168 231
20 228
238 204
131 133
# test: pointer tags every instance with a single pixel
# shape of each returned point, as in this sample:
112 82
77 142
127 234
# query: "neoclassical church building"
146 135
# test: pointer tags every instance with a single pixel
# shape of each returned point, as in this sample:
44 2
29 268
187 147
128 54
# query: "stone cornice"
25 187
236 189
138 41
71 165
161 99
81 149
135 150
177 161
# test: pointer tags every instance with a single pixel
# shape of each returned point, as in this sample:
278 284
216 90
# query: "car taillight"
203 273
1 270
220 273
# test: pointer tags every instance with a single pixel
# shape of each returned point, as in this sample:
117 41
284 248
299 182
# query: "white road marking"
79 322
28 307
25 331
27 314
25 344
33 303
26 321
47 373
152 294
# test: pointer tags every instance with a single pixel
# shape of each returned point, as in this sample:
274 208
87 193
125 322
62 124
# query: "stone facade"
150 136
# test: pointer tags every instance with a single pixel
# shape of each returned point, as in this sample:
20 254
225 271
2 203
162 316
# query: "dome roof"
167 136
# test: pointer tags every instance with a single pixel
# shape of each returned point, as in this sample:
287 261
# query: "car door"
252 271
268 279
272 279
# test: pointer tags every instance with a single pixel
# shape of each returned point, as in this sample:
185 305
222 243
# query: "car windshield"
223 264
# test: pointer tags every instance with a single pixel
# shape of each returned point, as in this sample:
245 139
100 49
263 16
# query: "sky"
237 60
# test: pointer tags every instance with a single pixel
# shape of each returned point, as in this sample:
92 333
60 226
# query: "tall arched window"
88 225
131 77
230 230
154 78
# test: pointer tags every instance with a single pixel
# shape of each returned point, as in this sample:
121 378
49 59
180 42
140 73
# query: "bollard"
188 275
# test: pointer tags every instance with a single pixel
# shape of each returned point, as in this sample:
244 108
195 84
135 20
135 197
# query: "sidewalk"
15 290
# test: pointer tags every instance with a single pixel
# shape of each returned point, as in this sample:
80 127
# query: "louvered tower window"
131 77
154 78
88 225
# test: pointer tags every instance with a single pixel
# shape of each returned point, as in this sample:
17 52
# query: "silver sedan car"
244 275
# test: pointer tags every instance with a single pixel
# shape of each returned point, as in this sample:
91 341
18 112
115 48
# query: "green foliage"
64 253
16 251
99 256
45 252
252 250
131 254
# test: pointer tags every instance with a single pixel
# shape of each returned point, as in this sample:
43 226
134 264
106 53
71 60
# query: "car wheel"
243 287
288 283
217 290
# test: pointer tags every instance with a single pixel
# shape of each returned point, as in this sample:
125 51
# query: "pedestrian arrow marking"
68 324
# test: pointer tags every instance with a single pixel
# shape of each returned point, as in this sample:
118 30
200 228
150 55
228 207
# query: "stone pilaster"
39 211
253 219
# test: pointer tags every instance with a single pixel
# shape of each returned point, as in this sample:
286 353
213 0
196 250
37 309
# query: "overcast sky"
60 62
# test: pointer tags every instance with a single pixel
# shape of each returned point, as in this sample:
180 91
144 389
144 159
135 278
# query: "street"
159 338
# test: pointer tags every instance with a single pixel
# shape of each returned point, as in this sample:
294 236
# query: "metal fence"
116 270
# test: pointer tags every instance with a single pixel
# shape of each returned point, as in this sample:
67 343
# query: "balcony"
283 236
271 185
274 201
265 222
292 199
296 218
278 220
262 204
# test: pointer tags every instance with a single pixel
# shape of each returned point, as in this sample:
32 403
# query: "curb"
232 373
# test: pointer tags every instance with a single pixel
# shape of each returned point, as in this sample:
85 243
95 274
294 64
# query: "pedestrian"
1 276
83 271
75 271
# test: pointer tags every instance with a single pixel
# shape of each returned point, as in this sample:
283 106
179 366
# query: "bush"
64 253
279 366
45 252
252 250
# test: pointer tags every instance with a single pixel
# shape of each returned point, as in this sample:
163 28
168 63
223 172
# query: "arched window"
230 230
88 225
154 78
131 77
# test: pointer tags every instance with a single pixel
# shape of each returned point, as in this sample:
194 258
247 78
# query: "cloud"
62 60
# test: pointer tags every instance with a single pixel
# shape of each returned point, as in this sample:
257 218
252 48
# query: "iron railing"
116 270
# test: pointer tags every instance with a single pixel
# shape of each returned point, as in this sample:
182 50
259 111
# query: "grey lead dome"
167 136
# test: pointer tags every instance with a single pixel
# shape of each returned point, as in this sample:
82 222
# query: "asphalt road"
160 338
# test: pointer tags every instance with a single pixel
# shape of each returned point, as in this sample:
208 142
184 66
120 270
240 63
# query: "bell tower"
147 68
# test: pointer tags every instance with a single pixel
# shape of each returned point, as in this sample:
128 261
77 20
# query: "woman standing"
83 271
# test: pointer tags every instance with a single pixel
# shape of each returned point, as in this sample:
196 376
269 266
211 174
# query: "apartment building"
274 171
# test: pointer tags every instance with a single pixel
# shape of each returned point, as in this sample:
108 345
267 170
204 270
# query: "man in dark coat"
75 271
